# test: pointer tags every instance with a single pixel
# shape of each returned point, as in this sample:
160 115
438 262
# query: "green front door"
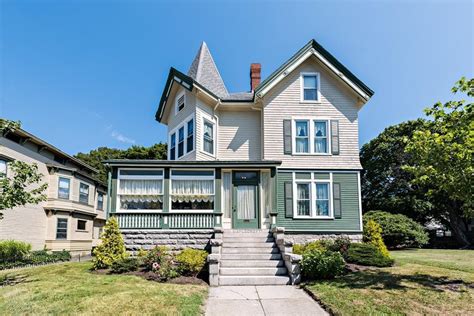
245 210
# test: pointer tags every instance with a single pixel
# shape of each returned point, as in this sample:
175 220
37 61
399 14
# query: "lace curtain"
140 187
320 134
192 190
301 137
303 204
322 199
246 204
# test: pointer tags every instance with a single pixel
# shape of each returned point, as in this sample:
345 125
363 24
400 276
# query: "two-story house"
74 213
284 154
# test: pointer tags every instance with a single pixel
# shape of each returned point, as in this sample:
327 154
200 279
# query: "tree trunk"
459 228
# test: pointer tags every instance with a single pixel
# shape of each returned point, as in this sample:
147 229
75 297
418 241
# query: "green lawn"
422 281
71 289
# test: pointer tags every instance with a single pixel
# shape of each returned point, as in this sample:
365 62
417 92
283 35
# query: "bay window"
63 188
181 142
190 136
181 139
173 147
140 189
192 190
83 193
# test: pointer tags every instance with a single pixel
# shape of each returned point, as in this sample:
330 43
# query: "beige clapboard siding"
203 111
337 102
239 135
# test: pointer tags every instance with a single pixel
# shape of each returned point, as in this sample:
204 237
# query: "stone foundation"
175 239
305 238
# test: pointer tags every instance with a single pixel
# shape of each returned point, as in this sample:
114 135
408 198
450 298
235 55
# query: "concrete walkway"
261 300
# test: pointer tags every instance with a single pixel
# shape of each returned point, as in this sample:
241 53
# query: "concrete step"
252 263
245 233
248 245
250 256
254 280
253 271
250 250
248 239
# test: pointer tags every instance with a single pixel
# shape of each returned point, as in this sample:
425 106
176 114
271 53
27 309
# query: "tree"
443 159
24 185
386 185
373 235
95 157
111 248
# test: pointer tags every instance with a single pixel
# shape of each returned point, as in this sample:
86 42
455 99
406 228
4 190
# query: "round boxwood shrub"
367 255
125 265
398 231
321 264
191 261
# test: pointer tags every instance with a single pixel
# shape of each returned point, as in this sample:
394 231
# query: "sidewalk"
261 300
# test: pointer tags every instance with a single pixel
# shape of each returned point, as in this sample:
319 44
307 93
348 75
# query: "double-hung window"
61 228
173 147
312 197
302 137
192 190
100 201
208 137
310 87
83 193
140 189
3 168
311 136
64 188
190 136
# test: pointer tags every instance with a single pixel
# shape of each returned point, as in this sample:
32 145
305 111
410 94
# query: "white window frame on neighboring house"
62 229
313 196
213 124
175 131
311 135
4 166
88 192
100 194
318 87
158 177
176 100
70 179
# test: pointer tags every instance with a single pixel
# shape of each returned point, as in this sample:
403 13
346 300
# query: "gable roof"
314 48
204 70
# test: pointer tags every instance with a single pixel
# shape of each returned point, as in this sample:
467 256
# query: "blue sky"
83 74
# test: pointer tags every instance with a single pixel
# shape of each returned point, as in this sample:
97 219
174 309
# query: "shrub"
398 231
191 261
111 247
373 235
321 264
313 245
13 250
339 244
160 261
125 265
37 257
153 257
367 255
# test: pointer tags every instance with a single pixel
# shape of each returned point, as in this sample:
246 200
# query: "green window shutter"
335 137
289 199
287 137
336 194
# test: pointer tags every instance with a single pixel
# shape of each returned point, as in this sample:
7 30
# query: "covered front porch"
158 194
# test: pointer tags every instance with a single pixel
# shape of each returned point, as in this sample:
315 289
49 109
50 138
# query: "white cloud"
121 138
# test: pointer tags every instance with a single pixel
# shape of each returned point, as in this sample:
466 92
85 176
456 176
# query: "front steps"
251 257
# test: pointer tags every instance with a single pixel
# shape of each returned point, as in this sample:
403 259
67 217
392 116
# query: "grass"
70 288
421 282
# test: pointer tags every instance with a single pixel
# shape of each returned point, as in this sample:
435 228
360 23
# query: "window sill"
81 231
314 217
311 154
138 211
310 102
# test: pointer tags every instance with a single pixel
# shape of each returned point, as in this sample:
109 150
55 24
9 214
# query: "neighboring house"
73 215
284 154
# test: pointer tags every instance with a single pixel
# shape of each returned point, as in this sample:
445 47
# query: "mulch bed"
150 276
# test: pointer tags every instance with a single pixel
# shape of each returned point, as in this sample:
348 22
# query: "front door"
245 199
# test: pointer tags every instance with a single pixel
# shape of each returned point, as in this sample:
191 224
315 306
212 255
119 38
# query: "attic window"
310 87
179 103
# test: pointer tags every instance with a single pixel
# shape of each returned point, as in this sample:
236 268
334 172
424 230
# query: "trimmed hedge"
37 258
398 231
367 255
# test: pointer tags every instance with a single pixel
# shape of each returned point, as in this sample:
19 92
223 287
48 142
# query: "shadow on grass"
382 280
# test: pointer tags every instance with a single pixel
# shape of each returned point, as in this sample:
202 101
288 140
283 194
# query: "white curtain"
301 137
320 133
266 192
301 129
246 202
227 194
140 198
140 187
303 201
322 199
192 190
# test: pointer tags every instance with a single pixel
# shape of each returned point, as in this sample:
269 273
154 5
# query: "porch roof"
174 163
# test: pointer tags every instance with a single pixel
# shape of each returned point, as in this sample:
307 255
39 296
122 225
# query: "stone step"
239 233
248 245
250 250
253 271
254 280
250 256
248 239
252 263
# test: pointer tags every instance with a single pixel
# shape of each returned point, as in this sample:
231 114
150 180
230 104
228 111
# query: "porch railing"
180 220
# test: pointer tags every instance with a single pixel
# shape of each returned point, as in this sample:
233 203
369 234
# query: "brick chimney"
255 75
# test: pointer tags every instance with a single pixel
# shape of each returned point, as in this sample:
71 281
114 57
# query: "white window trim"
143 177
179 95
313 182
318 87
311 137
204 121
213 177
184 124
